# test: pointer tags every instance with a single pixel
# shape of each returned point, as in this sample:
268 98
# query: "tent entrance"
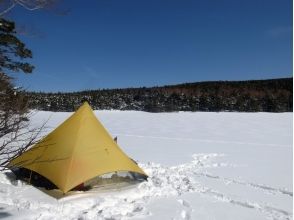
119 178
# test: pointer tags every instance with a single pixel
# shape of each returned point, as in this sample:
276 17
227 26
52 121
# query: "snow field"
200 166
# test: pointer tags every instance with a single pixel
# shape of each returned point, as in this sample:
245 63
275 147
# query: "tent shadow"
11 177
4 214
98 185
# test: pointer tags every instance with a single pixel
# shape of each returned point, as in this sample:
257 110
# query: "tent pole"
30 177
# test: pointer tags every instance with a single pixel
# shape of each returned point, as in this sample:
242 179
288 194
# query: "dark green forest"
274 95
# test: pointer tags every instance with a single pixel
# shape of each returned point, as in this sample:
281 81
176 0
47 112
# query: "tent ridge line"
72 156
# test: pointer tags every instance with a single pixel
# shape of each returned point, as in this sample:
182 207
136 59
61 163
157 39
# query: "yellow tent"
76 151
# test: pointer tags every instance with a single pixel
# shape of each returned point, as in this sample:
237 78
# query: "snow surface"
200 166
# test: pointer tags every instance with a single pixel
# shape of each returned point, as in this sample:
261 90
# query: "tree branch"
7 9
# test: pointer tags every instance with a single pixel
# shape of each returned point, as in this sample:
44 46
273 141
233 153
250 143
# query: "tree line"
274 95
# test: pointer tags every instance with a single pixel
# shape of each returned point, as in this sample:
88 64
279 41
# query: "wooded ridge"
273 95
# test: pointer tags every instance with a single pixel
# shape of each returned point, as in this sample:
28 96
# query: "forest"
273 95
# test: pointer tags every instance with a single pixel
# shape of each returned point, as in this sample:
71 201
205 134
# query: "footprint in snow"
186 212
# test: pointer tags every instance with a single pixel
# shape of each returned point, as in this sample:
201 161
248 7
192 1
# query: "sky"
82 45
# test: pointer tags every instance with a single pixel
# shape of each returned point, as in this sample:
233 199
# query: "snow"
200 166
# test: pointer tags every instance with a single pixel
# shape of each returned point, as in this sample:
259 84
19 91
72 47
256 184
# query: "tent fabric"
76 151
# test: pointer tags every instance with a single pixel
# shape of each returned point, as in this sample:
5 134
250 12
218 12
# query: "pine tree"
13 103
12 50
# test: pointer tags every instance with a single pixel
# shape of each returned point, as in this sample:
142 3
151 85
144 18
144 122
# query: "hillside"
274 95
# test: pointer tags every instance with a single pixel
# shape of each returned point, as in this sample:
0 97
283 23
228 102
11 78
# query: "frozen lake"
200 166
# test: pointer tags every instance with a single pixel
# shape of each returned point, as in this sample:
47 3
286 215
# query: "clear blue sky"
135 43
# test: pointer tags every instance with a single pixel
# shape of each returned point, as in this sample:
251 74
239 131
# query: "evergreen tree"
13 103
12 50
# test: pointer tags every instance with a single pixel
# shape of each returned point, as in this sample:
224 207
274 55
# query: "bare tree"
31 5
15 134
